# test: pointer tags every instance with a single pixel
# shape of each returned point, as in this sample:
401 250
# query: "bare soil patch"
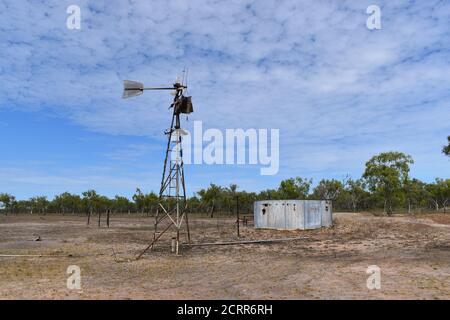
413 253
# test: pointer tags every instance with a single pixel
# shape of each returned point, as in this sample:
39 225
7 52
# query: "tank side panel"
327 216
294 215
257 214
313 217
276 216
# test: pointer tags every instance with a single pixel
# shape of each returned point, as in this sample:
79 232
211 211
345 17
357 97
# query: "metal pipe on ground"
227 243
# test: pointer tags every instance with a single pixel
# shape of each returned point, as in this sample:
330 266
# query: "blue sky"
338 92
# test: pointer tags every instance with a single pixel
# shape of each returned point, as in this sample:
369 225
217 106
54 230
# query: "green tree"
446 149
91 199
104 203
99 204
228 198
269 194
67 202
24 206
39 204
91 202
211 197
194 204
150 202
122 204
385 174
8 202
357 192
232 190
246 201
446 194
139 200
295 188
439 193
415 193
328 189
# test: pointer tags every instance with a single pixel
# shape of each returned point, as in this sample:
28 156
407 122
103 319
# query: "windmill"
172 194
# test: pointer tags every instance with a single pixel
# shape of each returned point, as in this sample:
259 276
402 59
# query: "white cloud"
310 68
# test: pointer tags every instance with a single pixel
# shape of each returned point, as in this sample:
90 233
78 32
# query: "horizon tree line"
384 186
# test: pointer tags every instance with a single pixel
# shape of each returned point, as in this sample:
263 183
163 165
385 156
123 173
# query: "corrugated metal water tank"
293 214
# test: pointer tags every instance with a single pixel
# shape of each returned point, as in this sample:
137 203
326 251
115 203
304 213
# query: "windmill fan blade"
181 132
132 88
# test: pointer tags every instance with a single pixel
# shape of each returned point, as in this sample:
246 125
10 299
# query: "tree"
269 194
210 197
67 202
246 201
439 193
150 201
357 192
8 201
415 193
194 204
446 149
24 206
446 193
139 200
121 204
328 189
104 204
295 188
39 204
232 190
230 195
385 174
91 199
91 202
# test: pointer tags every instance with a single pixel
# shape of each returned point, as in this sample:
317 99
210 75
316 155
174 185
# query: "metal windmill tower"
172 194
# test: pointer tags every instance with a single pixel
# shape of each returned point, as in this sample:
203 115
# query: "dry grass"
412 251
